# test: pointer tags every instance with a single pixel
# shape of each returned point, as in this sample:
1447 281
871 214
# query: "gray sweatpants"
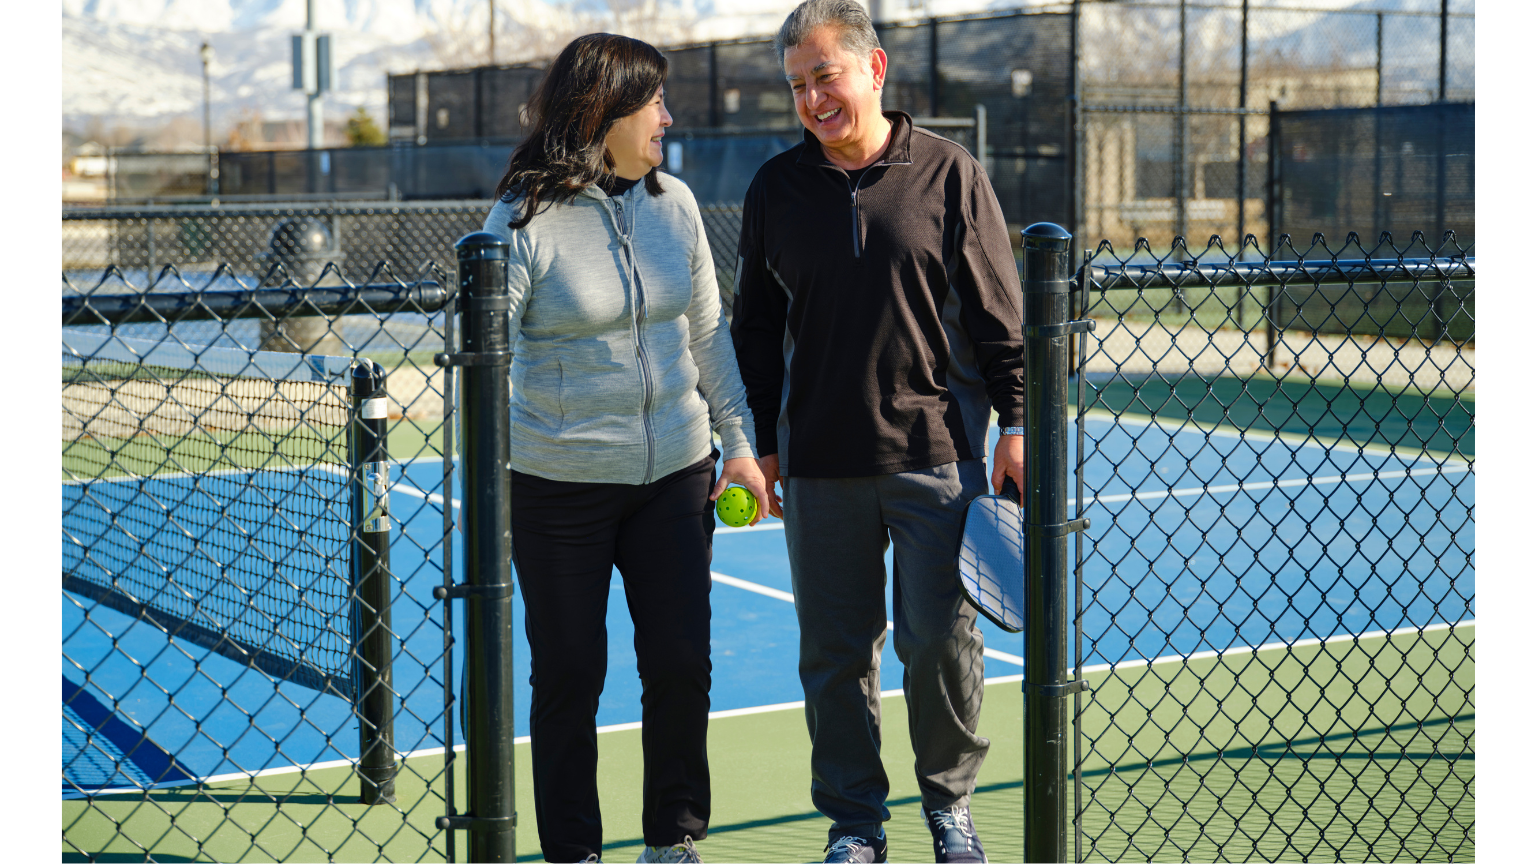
837 531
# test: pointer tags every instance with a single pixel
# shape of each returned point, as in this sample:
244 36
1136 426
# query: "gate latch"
472 358
502 591
476 823
1057 689
1051 331
1059 529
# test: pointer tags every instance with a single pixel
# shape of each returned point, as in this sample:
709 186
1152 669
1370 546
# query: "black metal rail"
270 303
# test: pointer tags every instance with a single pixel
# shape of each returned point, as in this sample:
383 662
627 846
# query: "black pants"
567 538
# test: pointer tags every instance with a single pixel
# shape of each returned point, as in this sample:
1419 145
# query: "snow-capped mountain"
137 61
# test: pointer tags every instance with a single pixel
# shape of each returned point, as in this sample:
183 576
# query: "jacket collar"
596 191
898 149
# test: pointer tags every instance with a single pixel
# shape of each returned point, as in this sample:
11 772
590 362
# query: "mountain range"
137 61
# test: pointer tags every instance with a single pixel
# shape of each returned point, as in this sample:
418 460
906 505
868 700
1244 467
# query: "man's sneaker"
955 838
683 852
862 849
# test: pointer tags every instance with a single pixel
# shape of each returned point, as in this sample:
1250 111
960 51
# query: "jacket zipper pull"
854 218
629 253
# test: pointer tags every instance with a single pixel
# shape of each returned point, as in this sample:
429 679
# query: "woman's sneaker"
683 852
862 849
955 838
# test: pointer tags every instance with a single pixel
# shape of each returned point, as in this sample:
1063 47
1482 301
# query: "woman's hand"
744 472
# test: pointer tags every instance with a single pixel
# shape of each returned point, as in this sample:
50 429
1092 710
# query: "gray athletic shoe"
955 837
683 852
861 849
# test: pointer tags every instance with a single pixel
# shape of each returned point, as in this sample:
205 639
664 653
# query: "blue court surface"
1201 540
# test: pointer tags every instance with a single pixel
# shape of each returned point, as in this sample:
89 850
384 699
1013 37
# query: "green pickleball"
736 507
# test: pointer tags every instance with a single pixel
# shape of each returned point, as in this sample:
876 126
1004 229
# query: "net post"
373 683
1048 678
487 521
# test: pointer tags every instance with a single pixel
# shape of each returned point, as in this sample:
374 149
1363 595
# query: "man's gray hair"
855 32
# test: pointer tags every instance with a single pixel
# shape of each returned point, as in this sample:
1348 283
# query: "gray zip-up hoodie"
622 358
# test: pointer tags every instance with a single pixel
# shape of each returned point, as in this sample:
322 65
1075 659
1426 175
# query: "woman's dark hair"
596 80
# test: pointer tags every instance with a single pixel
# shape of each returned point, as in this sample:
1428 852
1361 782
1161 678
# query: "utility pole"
316 121
491 31
206 54
312 74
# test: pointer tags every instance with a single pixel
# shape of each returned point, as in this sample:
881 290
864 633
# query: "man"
877 317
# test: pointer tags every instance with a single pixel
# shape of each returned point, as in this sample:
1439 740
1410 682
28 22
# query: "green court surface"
1297 754
148 455
1325 411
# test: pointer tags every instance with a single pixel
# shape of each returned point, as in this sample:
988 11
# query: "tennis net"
208 492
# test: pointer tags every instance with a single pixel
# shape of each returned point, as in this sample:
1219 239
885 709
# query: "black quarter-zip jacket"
875 322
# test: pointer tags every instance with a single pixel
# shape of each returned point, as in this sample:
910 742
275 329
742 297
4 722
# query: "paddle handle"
1011 491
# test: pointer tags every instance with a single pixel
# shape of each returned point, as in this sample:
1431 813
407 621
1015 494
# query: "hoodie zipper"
640 349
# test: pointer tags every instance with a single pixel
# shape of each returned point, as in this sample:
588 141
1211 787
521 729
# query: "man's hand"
1009 459
770 466
744 472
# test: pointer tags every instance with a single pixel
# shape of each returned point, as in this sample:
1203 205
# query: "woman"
622 367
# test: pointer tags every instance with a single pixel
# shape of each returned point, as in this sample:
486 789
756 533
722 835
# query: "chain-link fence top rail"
1276 594
215 694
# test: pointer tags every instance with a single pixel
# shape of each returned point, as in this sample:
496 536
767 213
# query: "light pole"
206 53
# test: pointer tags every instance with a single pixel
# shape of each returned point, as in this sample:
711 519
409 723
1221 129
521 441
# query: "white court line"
767 524
1316 480
788 706
1212 430
790 598
433 497
753 587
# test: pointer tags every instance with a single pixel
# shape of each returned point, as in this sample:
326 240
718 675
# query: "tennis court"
1199 487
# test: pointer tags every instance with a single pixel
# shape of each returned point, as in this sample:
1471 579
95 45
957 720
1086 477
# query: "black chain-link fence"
254 662
293 246
1275 600
1172 127
358 237
1372 170
731 110
1275 609
1176 105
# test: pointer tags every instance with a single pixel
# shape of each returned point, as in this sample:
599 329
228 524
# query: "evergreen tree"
362 131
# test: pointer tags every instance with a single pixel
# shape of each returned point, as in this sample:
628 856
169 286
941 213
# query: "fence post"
934 67
980 126
1048 813
1243 137
715 96
1273 216
483 303
372 635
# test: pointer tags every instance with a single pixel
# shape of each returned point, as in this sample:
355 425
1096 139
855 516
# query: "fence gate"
255 665
1275 599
